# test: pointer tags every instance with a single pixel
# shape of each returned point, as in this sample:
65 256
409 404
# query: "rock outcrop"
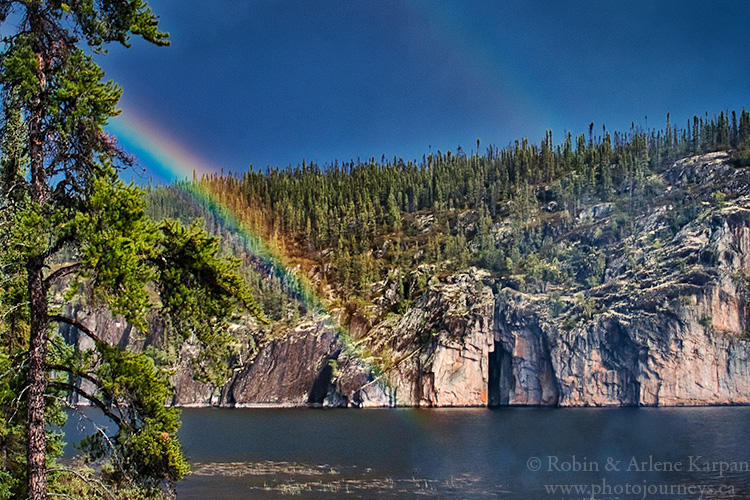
437 353
669 329
305 365
667 324
671 332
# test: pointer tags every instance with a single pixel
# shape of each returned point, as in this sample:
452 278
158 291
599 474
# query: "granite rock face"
300 368
668 324
437 353
674 333
306 365
669 329
275 376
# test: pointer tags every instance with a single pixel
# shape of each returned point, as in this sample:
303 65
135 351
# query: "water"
507 453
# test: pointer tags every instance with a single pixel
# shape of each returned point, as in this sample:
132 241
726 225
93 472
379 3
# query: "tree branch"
58 245
77 324
99 430
90 378
63 271
96 401
17 306
98 383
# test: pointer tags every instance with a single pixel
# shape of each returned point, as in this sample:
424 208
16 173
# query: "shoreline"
262 406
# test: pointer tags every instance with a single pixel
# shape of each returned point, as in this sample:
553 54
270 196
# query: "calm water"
508 453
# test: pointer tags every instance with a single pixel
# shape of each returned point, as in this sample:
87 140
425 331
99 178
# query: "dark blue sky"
273 82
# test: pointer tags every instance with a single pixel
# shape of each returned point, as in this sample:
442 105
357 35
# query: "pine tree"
606 187
69 222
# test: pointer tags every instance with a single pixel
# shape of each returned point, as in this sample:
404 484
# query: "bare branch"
77 324
12 309
90 378
99 429
63 271
62 495
98 383
96 401
57 245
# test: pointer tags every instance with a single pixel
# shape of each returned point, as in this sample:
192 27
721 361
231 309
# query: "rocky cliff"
667 323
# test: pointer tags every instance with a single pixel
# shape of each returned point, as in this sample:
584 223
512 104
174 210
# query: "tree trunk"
38 306
37 383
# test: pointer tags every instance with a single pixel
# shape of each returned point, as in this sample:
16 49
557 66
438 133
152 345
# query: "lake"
507 453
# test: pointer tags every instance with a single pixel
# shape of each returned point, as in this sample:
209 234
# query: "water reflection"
513 453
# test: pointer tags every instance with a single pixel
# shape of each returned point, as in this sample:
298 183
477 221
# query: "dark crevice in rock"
125 339
550 392
500 376
319 389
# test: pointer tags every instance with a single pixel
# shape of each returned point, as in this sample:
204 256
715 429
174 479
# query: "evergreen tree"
744 129
68 222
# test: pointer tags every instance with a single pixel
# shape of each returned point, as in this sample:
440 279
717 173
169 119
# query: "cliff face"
304 365
671 331
667 325
438 352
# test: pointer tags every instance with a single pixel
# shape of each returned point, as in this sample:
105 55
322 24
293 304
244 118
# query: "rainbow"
160 154
482 64
157 153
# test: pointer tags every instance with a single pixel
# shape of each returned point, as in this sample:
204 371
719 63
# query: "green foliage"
506 211
18 70
555 303
741 280
114 21
199 290
682 214
13 157
402 306
718 199
586 306
11 433
81 94
334 369
144 449
457 251
67 223
117 244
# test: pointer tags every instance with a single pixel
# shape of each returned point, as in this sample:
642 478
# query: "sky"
270 83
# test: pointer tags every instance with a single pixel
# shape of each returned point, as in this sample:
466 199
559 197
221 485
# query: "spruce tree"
744 129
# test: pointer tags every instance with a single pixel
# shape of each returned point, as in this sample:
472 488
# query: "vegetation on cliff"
356 227
606 229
